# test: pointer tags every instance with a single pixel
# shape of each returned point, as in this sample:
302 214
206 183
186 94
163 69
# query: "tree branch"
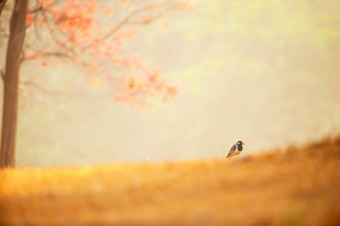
43 90
121 24
61 44
157 16
56 93
41 8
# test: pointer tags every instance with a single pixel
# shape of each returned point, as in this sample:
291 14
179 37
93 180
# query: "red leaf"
45 63
29 19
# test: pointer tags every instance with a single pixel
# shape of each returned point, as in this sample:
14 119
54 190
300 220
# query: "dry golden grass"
290 187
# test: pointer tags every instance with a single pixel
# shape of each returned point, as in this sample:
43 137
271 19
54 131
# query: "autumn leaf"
29 19
95 82
147 20
38 56
107 11
126 1
118 98
45 63
108 77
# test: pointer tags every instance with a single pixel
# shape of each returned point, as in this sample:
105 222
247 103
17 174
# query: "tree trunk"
11 80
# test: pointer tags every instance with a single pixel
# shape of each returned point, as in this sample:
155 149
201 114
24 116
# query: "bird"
235 150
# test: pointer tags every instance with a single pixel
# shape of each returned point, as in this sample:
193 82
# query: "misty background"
262 71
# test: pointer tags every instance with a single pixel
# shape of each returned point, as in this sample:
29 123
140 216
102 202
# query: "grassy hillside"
288 187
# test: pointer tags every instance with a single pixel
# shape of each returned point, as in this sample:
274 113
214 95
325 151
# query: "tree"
90 34
11 81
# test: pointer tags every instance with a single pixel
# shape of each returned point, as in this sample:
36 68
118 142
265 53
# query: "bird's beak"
243 143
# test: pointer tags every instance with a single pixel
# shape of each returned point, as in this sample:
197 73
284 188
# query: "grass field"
296 186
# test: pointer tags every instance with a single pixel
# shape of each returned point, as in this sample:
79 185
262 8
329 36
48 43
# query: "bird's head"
240 142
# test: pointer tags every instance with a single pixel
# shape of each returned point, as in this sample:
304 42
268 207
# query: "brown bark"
11 80
2 5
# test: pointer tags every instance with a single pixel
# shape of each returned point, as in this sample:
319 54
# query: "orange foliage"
45 3
29 19
132 86
187 6
45 63
33 57
90 45
291 187
125 1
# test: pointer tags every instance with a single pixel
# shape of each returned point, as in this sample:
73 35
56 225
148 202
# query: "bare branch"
61 44
56 93
125 21
157 16
38 9
41 8
43 90
57 54
120 25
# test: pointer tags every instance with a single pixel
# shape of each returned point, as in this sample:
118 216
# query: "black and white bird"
235 150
